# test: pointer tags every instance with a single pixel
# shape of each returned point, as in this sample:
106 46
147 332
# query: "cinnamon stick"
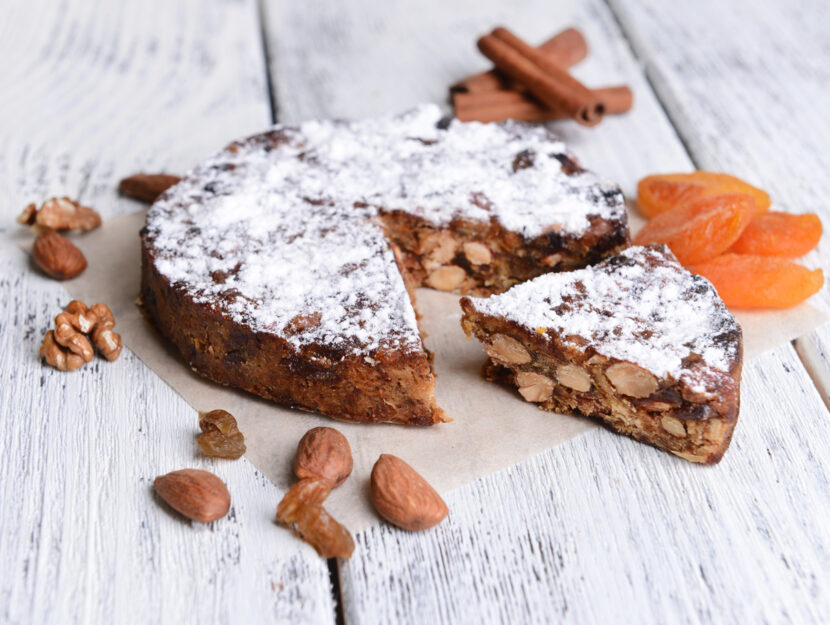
565 49
547 81
492 106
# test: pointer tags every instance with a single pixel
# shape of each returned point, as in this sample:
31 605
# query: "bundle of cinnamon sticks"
533 84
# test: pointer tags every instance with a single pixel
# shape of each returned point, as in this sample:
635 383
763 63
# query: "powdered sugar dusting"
282 225
640 306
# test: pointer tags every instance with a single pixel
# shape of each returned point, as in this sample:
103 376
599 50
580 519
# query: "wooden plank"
600 529
92 92
604 530
747 91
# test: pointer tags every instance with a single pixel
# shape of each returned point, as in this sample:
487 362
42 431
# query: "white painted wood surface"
601 529
92 92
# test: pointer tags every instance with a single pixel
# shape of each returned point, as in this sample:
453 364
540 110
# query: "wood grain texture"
605 530
747 89
93 91
600 529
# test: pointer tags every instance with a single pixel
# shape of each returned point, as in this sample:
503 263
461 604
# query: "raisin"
779 234
524 159
659 193
324 533
220 436
302 508
700 229
569 165
310 491
301 323
748 281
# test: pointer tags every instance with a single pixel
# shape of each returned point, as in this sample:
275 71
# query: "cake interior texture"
285 265
636 341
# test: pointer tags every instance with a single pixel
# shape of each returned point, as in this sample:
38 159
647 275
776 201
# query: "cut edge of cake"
306 377
636 341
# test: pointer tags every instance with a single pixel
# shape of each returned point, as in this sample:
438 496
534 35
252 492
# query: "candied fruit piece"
661 192
220 436
749 281
700 229
779 234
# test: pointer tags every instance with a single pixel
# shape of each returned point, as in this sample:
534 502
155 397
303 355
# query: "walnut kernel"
62 213
58 356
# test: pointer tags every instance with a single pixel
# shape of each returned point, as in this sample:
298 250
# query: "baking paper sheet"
492 427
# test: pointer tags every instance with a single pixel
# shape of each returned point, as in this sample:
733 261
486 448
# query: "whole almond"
324 452
198 495
146 187
58 256
403 497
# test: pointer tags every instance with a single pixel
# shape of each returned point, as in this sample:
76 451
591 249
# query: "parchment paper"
492 427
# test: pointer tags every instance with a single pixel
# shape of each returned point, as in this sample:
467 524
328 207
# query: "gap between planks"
266 57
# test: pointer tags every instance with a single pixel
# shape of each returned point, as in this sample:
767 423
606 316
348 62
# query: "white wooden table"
598 530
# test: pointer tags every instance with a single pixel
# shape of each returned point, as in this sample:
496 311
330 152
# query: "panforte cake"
285 264
636 341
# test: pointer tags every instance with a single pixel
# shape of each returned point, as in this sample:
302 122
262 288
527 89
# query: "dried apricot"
661 192
700 229
749 281
779 234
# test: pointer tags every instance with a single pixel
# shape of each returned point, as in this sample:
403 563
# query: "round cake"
286 264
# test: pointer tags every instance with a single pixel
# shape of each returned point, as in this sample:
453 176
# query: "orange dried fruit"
661 192
750 281
700 229
779 234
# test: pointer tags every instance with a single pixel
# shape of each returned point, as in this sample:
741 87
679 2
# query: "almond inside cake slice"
636 341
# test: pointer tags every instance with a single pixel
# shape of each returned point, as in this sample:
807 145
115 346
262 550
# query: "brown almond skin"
58 257
146 187
403 497
198 495
325 453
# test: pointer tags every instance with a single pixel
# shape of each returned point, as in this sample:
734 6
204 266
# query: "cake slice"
636 341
